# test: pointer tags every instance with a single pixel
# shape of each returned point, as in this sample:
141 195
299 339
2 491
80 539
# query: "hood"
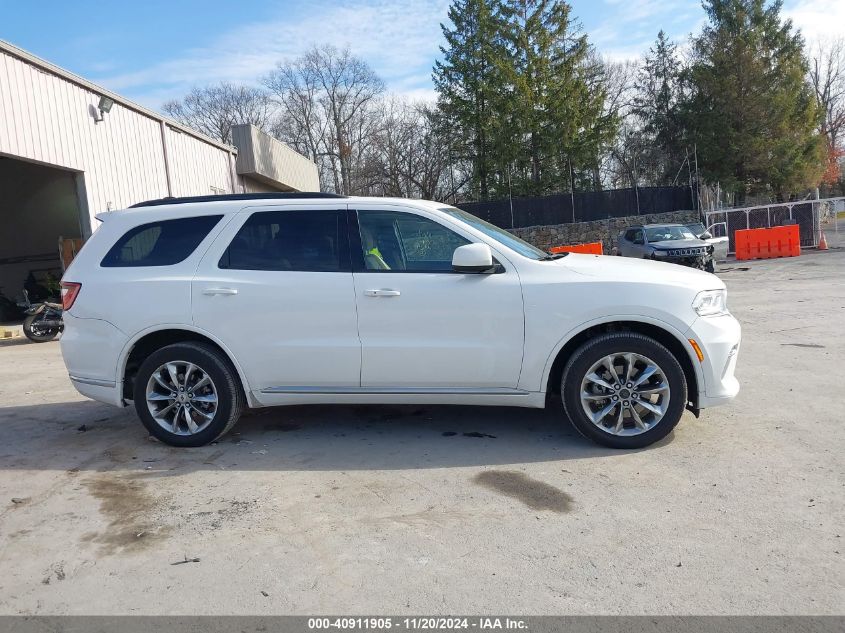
670 244
632 270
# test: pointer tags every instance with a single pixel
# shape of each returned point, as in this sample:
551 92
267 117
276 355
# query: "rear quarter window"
161 243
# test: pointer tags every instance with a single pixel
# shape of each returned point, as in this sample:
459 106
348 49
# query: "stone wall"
605 231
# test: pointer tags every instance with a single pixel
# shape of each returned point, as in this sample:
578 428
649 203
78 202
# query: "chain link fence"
807 214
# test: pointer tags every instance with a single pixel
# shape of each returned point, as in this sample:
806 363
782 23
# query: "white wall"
196 167
251 185
264 158
47 118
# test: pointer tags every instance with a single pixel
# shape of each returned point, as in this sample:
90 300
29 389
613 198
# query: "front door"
637 247
423 326
276 288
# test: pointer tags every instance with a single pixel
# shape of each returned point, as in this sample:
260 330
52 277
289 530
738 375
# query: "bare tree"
327 102
617 166
297 94
213 110
827 74
619 84
413 155
328 105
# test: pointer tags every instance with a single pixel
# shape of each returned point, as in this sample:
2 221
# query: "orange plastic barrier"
778 241
590 248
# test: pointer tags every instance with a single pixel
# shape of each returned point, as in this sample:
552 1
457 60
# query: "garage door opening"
39 205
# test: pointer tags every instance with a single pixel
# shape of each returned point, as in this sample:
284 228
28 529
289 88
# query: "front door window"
404 242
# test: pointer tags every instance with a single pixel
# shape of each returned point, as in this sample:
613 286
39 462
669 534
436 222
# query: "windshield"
668 234
697 229
500 235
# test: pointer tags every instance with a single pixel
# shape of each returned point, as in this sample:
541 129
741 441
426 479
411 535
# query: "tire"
211 418
666 385
710 266
37 335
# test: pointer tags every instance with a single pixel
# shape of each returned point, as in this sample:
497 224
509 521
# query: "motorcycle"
43 321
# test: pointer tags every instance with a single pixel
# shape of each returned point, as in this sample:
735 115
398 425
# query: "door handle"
220 291
382 293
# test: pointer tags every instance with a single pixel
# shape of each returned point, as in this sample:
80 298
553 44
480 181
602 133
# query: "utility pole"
697 181
452 176
636 190
510 195
572 189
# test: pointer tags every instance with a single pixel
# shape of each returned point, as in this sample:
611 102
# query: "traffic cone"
822 242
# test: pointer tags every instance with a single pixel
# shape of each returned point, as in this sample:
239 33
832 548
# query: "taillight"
70 290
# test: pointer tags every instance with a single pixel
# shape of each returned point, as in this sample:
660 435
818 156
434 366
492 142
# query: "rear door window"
161 243
306 241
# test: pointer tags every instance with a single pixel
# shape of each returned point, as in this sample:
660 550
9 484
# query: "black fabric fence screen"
589 206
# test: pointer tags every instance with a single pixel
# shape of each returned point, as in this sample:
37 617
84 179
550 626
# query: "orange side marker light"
697 349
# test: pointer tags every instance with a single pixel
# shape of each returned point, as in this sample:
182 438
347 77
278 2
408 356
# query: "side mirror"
707 235
473 258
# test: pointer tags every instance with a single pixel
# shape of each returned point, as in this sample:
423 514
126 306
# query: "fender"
638 318
127 349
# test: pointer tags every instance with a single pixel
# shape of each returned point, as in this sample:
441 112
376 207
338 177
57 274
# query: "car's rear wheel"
623 390
187 394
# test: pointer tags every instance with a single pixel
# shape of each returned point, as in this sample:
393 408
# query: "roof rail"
292 195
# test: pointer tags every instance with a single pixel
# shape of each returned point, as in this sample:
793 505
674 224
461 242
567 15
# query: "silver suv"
673 243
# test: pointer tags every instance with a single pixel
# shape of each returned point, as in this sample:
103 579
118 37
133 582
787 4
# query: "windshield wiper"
551 256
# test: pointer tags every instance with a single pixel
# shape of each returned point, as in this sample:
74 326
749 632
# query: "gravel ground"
362 510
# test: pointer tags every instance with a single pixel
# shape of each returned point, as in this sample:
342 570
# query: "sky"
151 51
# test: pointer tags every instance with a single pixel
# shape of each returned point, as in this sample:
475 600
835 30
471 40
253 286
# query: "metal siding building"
54 138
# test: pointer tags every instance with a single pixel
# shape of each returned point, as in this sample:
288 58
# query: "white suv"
195 308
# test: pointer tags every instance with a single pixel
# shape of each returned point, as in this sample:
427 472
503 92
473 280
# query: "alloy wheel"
625 394
181 397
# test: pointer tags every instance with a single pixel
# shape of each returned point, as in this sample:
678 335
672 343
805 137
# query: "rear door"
276 287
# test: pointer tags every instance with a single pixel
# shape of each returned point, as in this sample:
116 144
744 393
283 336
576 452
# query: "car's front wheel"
623 390
187 394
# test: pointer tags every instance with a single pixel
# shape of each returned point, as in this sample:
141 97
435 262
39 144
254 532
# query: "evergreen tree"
552 119
657 104
467 80
752 115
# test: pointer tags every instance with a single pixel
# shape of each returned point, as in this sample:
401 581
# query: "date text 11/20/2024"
417 623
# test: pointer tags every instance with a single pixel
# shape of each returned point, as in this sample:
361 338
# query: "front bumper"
695 261
719 339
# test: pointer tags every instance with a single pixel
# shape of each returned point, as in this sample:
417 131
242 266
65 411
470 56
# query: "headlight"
711 302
